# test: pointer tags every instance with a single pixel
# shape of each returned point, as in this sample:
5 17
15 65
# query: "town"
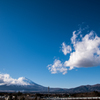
95 95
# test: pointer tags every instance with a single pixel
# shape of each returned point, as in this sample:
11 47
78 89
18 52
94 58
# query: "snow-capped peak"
26 81
6 79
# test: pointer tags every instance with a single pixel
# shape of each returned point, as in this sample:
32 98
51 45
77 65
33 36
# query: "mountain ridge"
30 86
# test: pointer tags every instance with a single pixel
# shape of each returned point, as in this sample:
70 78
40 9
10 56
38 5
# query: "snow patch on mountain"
6 79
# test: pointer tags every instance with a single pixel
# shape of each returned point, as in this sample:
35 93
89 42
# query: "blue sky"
31 37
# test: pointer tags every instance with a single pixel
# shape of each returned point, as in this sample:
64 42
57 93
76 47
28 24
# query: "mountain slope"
80 89
24 84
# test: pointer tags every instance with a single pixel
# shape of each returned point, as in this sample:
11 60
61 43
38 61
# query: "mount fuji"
21 84
8 84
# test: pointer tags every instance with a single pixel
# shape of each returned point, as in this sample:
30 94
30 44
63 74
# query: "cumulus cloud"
56 67
85 53
66 48
7 79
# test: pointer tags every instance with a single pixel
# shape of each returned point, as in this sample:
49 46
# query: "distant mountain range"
81 89
30 86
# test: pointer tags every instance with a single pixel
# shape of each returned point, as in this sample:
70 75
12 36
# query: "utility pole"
48 91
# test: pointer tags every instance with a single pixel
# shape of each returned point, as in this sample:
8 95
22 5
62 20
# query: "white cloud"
85 53
57 67
6 79
66 49
73 39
